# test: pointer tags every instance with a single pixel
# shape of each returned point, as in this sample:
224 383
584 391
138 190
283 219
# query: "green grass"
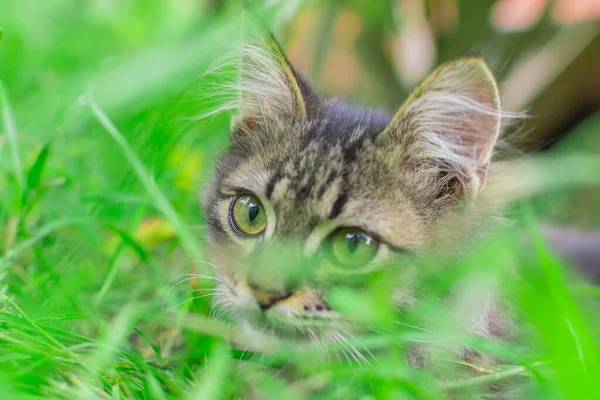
101 161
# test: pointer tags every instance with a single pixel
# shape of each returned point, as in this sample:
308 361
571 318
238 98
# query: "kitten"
313 191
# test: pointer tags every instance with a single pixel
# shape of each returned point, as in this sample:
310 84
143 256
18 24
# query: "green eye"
352 247
247 215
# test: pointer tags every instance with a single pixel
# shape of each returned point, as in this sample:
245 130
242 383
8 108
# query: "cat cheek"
227 258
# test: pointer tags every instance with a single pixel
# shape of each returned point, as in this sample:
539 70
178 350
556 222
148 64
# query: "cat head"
314 193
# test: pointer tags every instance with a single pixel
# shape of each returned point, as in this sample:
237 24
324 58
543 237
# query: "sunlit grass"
101 161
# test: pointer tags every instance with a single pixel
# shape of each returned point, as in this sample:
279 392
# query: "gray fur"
318 164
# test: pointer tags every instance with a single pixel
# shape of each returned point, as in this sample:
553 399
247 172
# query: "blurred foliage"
101 158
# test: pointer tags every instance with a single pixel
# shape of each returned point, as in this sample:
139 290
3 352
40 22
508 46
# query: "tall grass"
101 160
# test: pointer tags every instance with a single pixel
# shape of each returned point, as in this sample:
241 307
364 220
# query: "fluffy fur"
318 164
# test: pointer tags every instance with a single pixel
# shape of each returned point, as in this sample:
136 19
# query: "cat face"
313 193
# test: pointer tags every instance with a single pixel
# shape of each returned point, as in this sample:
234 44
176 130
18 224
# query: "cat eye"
247 215
352 247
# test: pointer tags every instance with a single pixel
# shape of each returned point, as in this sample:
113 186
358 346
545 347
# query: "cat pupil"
253 212
353 240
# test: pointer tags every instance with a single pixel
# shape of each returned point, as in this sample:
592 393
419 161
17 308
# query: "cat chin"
262 335
331 341
266 326
287 327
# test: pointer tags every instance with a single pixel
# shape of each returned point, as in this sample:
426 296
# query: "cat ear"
448 127
270 91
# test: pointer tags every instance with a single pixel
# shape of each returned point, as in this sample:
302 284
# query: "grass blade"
113 268
159 200
42 233
10 128
213 382
33 324
37 169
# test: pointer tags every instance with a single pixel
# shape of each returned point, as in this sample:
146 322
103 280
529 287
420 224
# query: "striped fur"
318 163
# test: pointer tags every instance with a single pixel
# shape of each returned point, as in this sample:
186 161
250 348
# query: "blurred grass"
101 158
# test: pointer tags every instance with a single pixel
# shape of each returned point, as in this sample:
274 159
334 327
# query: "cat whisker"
445 339
354 353
317 343
189 278
456 317
174 276
386 333
439 334
200 276
207 263
187 301
416 327
341 347
482 317
219 308
352 337
212 290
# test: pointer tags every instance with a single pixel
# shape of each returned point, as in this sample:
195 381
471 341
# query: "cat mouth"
284 318
295 327
320 337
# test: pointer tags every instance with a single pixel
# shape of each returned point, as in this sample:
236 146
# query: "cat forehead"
335 123
299 165
291 174
339 120
310 160
318 183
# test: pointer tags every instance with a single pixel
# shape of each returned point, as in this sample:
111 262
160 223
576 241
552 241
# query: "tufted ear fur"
270 92
447 129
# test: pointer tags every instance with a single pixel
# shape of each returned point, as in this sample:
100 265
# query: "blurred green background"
102 159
